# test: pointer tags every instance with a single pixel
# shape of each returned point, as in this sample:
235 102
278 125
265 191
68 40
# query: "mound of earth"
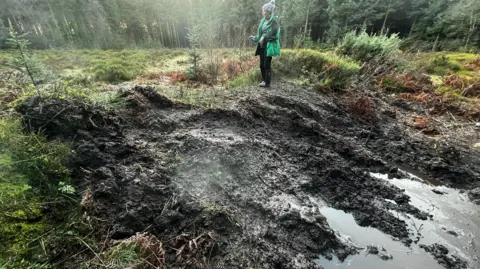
241 187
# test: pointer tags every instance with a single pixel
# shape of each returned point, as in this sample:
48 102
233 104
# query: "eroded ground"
250 185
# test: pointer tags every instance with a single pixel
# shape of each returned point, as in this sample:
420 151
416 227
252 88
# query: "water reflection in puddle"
403 257
452 212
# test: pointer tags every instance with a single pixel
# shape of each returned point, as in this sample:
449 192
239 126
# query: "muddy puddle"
454 223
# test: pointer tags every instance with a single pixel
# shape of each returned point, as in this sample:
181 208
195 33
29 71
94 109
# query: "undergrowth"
38 216
365 47
442 65
250 78
98 96
116 70
326 68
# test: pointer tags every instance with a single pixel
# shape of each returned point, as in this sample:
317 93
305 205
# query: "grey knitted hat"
270 7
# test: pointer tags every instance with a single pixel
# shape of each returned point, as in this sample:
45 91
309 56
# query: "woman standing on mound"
268 42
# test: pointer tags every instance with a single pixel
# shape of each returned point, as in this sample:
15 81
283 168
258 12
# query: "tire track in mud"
252 176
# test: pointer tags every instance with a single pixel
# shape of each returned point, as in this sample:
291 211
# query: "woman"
268 44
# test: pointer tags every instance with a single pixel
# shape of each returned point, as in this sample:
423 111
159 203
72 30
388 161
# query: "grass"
88 73
34 172
74 64
251 78
442 63
199 95
126 255
449 72
326 68
140 251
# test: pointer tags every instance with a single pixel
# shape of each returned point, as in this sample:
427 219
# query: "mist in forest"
119 24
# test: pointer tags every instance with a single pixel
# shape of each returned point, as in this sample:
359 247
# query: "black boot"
268 77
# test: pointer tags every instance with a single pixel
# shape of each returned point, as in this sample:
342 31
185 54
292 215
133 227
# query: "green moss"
444 89
442 65
21 217
466 73
462 57
30 170
437 81
452 92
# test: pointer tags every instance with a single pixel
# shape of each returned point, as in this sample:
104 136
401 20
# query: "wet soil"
241 186
440 253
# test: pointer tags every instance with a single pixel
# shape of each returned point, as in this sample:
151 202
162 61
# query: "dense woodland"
118 24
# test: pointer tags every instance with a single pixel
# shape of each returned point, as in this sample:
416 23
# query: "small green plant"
194 63
66 188
116 70
24 61
304 40
124 255
365 47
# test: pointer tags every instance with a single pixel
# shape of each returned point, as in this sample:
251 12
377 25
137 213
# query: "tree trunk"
16 22
473 26
169 35
53 16
434 48
386 17
413 26
306 21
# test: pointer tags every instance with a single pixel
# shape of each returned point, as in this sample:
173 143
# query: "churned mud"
276 179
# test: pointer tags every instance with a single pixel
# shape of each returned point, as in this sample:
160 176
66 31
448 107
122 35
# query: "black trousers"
265 65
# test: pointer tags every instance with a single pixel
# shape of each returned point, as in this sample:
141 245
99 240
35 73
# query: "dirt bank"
240 187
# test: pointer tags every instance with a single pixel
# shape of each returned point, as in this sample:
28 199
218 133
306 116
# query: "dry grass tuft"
151 249
362 106
194 252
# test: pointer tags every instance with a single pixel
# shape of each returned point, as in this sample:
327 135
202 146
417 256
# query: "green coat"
271 37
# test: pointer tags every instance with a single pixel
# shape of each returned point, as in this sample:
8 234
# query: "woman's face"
265 13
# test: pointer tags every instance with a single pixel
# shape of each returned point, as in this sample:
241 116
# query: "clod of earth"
440 253
380 252
239 187
453 233
438 192
474 196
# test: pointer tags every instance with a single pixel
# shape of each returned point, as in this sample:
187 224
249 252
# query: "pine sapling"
23 61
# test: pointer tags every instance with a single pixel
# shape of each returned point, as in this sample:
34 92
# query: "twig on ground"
56 115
